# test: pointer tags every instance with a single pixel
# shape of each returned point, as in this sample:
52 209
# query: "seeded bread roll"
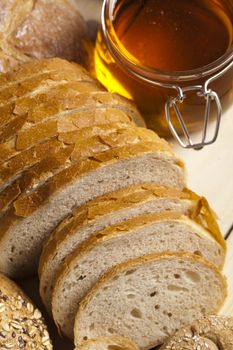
208 333
147 299
21 324
151 233
113 343
111 209
42 28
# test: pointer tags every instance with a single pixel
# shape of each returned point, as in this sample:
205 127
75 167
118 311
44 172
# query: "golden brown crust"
116 201
103 205
108 233
88 141
62 123
34 86
35 68
28 203
28 158
37 173
205 216
113 231
21 324
207 333
116 343
145 260
42 28
8 195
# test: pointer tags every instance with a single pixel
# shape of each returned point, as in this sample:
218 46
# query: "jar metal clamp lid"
203 91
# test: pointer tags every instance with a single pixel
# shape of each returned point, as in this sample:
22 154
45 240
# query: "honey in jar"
170 42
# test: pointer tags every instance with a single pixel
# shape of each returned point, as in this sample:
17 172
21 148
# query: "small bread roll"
40 29
208 333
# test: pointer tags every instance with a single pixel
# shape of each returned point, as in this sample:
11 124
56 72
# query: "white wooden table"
210 173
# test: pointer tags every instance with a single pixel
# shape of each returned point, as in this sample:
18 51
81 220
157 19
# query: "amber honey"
178 41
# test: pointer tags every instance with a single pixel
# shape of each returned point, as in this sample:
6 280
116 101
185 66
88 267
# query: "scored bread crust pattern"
123 199
60 131
28 203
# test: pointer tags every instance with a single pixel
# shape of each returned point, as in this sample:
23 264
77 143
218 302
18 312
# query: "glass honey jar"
174 58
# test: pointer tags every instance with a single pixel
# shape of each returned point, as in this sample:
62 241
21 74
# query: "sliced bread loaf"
87 141
147 299
21 324
152 233
35 214
45 88
207 333
111 343
111 209
72 146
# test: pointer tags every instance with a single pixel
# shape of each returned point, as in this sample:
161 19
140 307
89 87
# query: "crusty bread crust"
124 198
21 324
101 206
110 238
116 343
144 260
28 203
208 333
75 145
29 30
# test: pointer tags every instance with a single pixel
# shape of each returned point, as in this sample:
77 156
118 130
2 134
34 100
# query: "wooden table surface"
210 173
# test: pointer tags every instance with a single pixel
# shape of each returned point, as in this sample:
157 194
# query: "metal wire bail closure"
210 97
203 91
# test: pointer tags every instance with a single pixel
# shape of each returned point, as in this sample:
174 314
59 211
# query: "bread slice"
11 169
36 174
111 343
50 105
37 213
207 333
46 87
84 143
21 324
147 299
37 85
39 68
152 233
109 210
